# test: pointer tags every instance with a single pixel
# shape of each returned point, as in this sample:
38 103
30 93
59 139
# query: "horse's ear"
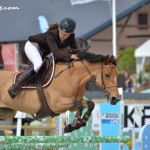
118 59
106 60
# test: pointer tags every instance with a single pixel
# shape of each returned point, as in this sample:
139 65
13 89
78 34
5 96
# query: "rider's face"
63 35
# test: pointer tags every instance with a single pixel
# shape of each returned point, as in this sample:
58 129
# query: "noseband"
102 87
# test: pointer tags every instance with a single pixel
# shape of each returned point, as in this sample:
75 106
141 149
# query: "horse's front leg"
90 105
77 122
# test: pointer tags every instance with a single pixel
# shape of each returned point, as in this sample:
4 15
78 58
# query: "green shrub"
147 67
127 61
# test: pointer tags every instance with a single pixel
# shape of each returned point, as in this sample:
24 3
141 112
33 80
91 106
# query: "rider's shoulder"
53 32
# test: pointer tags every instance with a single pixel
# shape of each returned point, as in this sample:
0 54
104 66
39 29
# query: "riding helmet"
67 25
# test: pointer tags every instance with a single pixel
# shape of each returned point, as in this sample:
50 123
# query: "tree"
127 61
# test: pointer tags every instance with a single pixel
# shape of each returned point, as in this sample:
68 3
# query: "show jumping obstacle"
63 139
31 146
44 142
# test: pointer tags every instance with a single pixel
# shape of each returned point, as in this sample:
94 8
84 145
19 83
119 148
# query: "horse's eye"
107 75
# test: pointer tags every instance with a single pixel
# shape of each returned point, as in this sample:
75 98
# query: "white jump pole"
114 27
19 116
19 125
59 125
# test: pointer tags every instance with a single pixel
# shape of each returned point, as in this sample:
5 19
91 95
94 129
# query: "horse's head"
106 79
105 74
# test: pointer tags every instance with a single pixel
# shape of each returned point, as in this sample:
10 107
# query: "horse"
65 92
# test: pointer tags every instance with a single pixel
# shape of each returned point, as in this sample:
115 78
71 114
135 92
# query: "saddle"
45 74
42 79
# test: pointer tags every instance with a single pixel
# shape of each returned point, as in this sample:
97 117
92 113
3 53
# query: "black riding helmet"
67 25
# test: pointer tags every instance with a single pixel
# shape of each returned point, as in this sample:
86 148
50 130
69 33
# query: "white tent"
143 50
142 55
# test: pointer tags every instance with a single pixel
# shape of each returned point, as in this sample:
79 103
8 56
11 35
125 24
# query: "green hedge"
127 62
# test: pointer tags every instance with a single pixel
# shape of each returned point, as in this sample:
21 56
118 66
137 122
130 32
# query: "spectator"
36 123
128 82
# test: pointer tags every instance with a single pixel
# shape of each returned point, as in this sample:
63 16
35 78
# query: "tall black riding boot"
24 77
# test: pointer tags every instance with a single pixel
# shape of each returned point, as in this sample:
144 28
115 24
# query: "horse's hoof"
68 128
83 124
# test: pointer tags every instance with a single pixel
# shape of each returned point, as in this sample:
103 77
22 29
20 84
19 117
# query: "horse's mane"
93 58
90 57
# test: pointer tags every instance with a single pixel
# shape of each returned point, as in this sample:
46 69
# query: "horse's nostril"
114 100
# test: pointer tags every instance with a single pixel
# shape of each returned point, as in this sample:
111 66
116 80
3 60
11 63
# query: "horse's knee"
79 105
91 105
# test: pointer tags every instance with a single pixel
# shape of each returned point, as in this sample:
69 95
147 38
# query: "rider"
54 40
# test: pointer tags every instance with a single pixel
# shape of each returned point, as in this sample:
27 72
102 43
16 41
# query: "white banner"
74 2
96 118
131 119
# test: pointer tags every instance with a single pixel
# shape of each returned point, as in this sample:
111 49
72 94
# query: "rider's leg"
34 56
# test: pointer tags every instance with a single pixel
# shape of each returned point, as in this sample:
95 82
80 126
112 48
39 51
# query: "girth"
45 110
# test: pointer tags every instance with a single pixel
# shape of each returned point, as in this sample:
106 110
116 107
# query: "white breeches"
33 55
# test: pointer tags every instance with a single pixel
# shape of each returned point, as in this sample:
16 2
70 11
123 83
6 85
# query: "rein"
102 87
86 68
68 66
71 63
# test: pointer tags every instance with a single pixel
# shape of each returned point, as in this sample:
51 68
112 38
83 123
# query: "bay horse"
65 92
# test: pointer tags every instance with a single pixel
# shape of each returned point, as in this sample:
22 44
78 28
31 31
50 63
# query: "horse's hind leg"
6 113
77 122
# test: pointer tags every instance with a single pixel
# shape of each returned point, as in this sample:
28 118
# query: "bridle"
102 87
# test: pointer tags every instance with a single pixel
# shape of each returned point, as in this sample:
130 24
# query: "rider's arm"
59 54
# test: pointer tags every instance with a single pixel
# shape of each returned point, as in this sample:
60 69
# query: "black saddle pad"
45 74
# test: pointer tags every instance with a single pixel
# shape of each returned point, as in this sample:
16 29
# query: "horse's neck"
85 70
82 70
